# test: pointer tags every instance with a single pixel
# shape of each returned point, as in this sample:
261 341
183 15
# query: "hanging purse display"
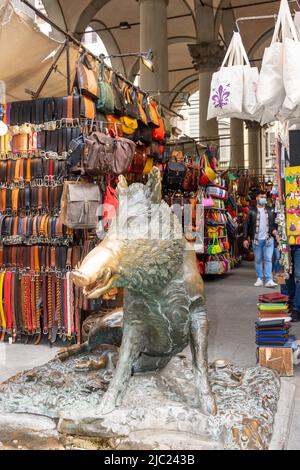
191 178
106 155
174 175
80 205
87 108
131 100
130 119
106 101
207 174
155 116
158 133
139 161
86 79
143 134
119 98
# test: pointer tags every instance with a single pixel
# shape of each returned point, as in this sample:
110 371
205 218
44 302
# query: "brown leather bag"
86 78
80 205
104 155
191 178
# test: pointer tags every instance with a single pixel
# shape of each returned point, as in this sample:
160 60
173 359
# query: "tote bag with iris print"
226 96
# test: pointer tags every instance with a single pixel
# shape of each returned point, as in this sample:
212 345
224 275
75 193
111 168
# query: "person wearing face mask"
261 229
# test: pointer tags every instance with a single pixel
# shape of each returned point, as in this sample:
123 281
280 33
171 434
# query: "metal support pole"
68 67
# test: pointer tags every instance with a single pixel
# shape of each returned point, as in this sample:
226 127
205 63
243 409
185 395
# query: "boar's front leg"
130 350
199 336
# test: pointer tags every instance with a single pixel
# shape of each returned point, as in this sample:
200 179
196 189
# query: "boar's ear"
122 185
153 188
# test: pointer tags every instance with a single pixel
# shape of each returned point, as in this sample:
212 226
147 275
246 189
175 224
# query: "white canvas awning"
26 54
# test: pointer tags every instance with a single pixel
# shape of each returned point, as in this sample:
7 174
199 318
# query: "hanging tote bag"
106 101
270 90
291 69
251 109
226 95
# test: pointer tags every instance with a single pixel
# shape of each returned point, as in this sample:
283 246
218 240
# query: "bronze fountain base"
55 406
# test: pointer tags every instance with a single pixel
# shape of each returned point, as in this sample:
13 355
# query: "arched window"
94 43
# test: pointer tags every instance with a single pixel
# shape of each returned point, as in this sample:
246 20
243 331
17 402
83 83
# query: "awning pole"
36 94
68 67
81 46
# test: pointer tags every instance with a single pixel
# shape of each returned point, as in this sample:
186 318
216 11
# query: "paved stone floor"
231 303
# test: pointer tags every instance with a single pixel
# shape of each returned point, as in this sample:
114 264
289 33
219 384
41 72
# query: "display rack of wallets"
37 252
216 259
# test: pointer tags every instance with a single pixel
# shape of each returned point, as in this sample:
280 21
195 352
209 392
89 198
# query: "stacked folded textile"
273 322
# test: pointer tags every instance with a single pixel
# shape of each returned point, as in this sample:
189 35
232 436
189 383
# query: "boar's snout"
80 279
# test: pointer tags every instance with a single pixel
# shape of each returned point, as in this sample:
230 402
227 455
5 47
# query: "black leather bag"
143 134
174 175
132 107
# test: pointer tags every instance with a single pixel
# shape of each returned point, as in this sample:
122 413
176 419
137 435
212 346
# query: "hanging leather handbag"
143 117
143 134
106 101
87 108
130 119
80 204
119 98
131 100
139 161
105 155
191 178
86 79
158 134
154 114
174 175
207 174
129 125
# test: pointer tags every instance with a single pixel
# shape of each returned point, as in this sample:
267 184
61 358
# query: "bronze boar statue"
164 310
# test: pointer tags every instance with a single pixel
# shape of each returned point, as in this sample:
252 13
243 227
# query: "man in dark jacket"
261 229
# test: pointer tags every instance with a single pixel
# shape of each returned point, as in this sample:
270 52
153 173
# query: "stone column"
207 58
237 143
254 145
154 35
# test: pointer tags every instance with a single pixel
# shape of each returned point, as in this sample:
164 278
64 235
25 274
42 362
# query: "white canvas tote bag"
271 91
291 60
226 96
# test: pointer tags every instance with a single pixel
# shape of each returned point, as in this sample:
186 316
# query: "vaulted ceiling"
183 21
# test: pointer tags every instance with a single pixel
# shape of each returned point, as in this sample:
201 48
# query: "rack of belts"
37 252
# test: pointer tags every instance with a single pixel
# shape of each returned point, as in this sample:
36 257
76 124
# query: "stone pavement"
231 303
231 306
